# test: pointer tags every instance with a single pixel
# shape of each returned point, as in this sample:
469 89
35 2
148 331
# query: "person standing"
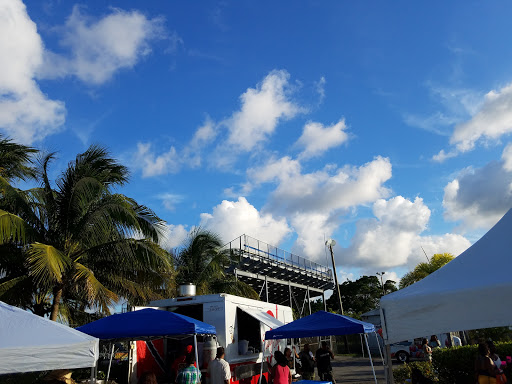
218 369
308 363
281 373
427 351
323 362
190 374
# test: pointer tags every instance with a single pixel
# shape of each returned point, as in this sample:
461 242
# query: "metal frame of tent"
148 331
323 323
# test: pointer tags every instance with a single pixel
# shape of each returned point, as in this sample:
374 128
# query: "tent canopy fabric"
146 324
263 317
467 293
320 323
30 343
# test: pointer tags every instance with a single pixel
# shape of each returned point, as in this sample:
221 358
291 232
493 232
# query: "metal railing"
252 246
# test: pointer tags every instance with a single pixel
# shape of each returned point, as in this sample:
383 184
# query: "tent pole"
262 359
369 354
93 379
197 357
380 351
110 361
362 344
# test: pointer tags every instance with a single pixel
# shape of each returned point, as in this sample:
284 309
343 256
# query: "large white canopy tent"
470 292
30 343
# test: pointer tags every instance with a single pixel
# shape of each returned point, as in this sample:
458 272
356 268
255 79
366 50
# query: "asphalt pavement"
347 369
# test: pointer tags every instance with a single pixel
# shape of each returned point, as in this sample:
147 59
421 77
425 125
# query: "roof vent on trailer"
187 290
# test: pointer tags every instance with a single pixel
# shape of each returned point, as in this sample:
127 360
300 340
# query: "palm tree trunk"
57 295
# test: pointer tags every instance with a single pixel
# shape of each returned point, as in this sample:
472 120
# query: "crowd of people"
184 368
281 371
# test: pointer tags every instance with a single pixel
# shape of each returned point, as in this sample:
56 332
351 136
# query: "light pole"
331 243
381 283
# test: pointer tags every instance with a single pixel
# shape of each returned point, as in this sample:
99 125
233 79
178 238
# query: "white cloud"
314 201
169 200
317 138
442 155
175 235
231 219
479 197
331 189
26 113
507 158
152 165
262 109
100 48
393 237
492 120
455 105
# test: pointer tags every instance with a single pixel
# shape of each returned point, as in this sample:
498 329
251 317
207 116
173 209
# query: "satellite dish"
330 243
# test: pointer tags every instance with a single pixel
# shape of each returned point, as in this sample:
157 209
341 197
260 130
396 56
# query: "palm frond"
12 228
46 263
95 291
16 160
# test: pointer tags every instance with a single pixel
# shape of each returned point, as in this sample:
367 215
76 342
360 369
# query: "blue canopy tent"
146 324
323 323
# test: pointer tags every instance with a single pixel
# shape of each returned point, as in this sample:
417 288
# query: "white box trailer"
241 324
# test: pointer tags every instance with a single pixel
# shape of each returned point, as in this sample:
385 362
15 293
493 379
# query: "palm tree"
422 270
203 262
79 244
15 160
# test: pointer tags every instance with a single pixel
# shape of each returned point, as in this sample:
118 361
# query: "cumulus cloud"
492 120
100 48
261 110
331 188
174 236
26 113
393 238
479 197
317 138
231 219
154 165
314 201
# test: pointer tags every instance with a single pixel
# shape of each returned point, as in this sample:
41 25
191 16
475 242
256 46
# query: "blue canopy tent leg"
362 344
369 354
110 361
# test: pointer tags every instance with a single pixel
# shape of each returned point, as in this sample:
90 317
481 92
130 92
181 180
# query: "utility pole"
330 243
381 283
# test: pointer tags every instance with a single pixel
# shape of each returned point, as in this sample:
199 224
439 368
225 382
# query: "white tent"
470 292
31 343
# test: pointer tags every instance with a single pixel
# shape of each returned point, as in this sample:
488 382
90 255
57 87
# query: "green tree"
424 269
77 245
203 262
361 296
16 160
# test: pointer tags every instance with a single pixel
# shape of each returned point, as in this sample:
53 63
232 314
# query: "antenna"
425 253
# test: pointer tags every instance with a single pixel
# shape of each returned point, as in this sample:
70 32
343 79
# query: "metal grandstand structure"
279 276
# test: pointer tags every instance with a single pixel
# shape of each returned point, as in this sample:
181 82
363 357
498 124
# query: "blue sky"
385 126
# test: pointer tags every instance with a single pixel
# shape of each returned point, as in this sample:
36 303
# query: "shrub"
457 365
404 372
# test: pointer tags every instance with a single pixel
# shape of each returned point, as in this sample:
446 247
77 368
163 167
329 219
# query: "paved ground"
357 370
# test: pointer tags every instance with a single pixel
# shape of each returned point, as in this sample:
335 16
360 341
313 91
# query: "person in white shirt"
218 369
456 341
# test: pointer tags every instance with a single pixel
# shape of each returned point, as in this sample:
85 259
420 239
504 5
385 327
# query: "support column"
266 288
325 303
290 292
309 301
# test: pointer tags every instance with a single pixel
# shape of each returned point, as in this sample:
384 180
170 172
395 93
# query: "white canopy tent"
31 343
470 292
